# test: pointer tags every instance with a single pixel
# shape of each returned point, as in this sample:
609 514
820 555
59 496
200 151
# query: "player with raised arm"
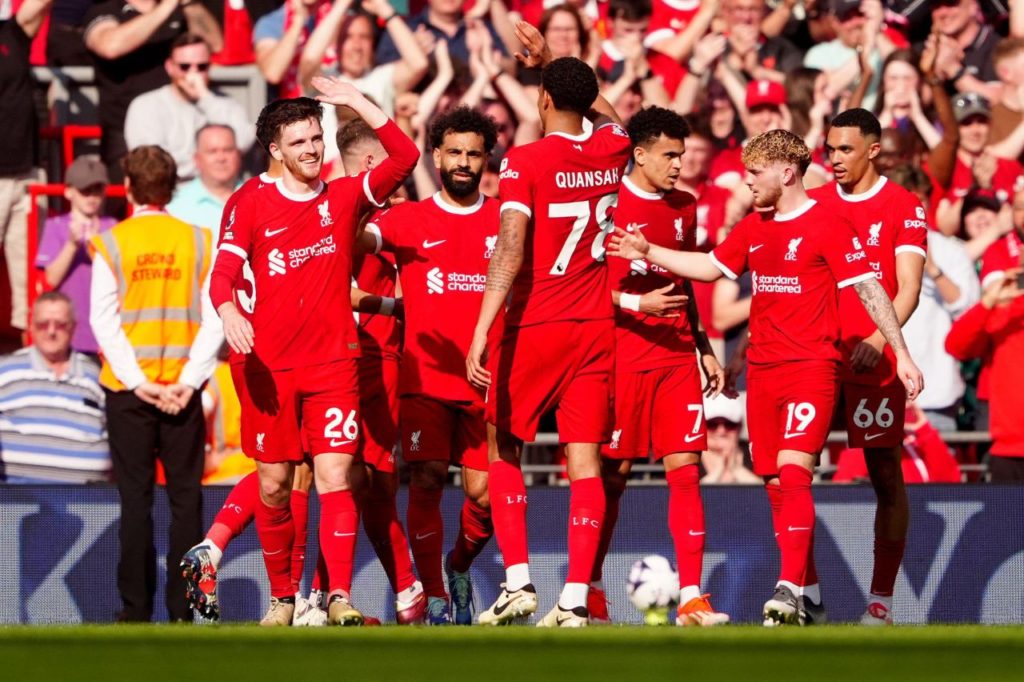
892 227
558 345
800 254
300 373
659 405
442 246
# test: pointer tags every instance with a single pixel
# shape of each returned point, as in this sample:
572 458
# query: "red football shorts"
659 411
875 414
378 407
445 431
789 407
288 412
564 365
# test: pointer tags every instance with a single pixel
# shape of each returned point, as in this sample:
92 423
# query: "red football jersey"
379 335
645 342
245 285
669 17
1008 178
797 267
442 253
567 185
1002 256
889 221
727 168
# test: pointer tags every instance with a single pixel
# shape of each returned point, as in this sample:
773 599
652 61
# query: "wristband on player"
387 305
629 302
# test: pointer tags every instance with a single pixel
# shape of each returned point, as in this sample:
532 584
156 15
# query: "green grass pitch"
248 653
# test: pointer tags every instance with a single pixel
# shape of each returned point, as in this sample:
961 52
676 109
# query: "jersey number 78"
580 210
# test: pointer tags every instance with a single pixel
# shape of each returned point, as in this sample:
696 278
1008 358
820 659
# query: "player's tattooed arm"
909 267
880 309
505 264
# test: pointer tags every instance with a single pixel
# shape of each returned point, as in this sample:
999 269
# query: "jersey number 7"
580 210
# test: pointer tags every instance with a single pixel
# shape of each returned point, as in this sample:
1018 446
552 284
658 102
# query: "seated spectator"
130 41
963 22
169 117
723 460
352 37
948 288
993 330
52 423
924 458
218 166
858 26
225 461
63 256
975 166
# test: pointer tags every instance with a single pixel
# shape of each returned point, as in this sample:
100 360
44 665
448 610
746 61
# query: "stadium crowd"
945 80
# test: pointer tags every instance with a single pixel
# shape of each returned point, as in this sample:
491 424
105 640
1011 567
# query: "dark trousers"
138 434
1005 469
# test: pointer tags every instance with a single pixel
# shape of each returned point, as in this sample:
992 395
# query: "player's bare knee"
275 482
334 472
428 475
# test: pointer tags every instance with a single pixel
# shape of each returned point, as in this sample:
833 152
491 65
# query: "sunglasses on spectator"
717 423
198 66
44 325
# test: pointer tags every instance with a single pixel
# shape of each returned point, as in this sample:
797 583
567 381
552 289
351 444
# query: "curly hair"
862 119
571 83
283 112
464 120
647 125
152 173
777 146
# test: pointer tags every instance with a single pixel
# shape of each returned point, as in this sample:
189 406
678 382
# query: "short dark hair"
189 38
153 175
283 112
464 120
862 119
647 125
571 83
352 133
629 10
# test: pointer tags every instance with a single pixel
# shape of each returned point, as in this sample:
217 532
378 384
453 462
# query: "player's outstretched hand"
475 359
866 355
909 374
715 375
630 245
537 54
237 330
659 303
336 91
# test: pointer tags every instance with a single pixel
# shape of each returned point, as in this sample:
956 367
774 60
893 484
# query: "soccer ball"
653 583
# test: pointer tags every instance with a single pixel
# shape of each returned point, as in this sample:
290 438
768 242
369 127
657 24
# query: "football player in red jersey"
892 228
798 269
659 405
558 344
442 246
300 371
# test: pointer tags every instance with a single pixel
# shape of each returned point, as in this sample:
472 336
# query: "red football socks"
798 518
300 518
238 511
277 534
686 522
612 497
475 529
426 537
507 491
380 520
586 516
888 556
339 523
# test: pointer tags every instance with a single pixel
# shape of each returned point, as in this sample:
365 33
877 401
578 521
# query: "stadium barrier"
964 559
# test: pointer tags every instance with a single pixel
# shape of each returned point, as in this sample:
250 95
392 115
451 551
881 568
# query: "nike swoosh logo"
271 233
691 438
425 535
338 443
872 436
696 533
559 620
343 535
792 435
793 529
501 608
755 248
430 245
